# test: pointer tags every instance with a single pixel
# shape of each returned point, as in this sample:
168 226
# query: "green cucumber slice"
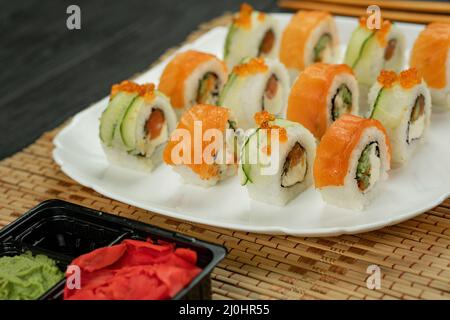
358 42
226 88
284 123
323 42
231 31
364 167
112 115
232 79
387 112
376 103
245 167
129 123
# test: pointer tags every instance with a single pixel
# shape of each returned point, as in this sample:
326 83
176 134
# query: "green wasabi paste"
27 277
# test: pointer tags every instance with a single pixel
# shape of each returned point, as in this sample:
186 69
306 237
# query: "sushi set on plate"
355 120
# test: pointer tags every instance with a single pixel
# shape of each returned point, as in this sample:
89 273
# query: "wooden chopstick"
360 11
406 5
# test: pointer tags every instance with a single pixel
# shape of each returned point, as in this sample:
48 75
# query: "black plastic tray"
64 231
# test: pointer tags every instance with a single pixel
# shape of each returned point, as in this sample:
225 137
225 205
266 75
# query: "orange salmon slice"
211 117
307 102
296 35
174 76
335 149
430 54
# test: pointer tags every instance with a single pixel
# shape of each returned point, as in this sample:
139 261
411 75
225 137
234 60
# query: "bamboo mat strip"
414 256
356 11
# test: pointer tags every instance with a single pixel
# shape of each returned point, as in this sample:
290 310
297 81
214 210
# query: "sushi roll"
371 50
277 166
321 94
431 56
402 103
135 126
255 85
352 159
311 36
251 34
193 77
202 149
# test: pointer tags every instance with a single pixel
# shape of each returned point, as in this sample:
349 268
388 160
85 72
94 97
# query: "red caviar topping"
282 134
409 78
243 19
363 22
382 33
144 90
379 33
263 120
255 65
387 78
267 149
261 16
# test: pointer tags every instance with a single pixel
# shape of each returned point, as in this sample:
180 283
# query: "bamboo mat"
414 256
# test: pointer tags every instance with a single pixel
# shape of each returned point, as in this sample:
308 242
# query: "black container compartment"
64 231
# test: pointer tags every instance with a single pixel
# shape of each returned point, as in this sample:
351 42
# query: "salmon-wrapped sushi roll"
352 158
201 148
251 34
277 166
136 125
321 94
371 50
311 36
255 85
431 56
402 103
193 77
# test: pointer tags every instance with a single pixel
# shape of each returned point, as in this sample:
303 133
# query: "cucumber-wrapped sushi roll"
135 126
193 77
403 105
431 56
201 149
277 167
371 50
251 34
352 158
255 85
311 36
321 94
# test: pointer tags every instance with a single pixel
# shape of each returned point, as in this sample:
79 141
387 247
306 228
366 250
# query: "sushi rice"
352 160
193 77
203 173
310 37
251 34
404 109
370 51
321 94
278 176
255 85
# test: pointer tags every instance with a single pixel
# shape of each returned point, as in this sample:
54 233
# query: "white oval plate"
409 191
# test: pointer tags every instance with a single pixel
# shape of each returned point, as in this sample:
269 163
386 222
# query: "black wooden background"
48 73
